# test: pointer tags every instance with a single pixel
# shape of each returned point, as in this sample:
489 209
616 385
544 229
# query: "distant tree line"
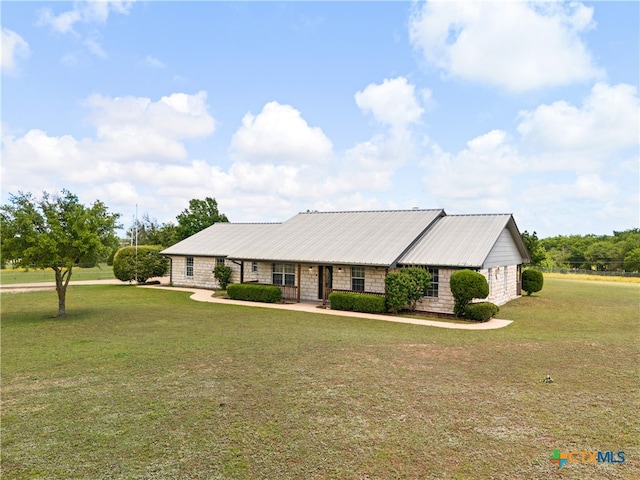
617 252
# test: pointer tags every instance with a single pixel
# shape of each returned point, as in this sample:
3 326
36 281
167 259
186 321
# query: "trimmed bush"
481 312
532 281
368 303
254 292
147 263
341 300
357 302
465 286
403 288
222 273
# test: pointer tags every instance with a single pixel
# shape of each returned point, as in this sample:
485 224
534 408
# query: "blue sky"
276 108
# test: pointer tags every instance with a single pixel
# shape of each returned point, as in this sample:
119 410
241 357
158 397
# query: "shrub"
465 286
254 292
481 311
357 302
222 273
532 281
147 263
341 300
111 256
403 288
368 303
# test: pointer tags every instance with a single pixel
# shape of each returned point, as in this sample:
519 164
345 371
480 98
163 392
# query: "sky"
272 108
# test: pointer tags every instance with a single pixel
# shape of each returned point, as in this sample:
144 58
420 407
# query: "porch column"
299 271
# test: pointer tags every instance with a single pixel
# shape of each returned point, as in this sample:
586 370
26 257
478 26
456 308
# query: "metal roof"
360 238
462 241
220 238
356 238
381 238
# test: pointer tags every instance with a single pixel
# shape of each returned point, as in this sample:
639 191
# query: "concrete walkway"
202 295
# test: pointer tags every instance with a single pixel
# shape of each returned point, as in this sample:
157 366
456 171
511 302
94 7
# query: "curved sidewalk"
202 295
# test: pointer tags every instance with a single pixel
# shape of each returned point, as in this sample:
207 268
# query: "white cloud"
94 11
608 122
94 47
84 13
519 46
135 126
279 134
478 178
134 136
152 62
582 188
393 102
13 46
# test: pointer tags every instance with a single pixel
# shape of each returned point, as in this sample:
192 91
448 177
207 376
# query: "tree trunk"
62 280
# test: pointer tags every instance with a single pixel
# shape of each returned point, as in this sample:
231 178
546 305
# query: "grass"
593 278
142 384
32 275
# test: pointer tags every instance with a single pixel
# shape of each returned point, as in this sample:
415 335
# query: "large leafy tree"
200 215
56 232
536 251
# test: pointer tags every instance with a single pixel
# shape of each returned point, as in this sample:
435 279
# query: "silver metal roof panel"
458 241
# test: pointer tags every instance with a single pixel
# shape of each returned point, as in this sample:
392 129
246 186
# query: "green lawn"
20 275
144 384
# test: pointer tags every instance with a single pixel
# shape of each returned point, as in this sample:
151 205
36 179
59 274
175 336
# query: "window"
283 273
357 279
219 261
433 290
189 266
254 267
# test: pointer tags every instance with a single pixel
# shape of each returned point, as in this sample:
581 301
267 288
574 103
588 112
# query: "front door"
325 280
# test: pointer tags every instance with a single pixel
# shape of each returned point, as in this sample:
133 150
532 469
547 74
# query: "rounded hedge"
532 281
481 312
139 266
465 286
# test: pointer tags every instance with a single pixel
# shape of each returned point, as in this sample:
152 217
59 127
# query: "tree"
465 286
140 263
536 251
632 261
151 232
56 232
200 215
602 254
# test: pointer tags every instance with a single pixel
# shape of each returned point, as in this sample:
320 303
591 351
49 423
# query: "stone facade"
503 283
502 280
202 272
443 303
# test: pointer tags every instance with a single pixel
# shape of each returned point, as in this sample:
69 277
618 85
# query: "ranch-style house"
315 253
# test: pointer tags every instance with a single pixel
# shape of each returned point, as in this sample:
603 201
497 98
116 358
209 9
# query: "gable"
504 252
467 241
